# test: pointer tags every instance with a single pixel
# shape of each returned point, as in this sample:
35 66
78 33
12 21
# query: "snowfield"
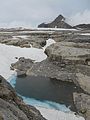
56 29
87 34
7 56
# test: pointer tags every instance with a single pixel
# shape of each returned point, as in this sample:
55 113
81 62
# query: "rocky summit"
59 22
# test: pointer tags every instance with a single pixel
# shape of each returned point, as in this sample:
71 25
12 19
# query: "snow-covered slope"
8 54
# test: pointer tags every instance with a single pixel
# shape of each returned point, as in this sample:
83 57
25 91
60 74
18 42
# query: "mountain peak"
60 18
59 22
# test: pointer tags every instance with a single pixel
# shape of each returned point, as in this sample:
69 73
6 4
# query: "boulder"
84 82
69 52
50 69
22 65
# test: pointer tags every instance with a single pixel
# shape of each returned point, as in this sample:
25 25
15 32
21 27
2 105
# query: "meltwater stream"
46 92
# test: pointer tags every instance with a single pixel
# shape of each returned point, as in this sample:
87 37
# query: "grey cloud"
33 12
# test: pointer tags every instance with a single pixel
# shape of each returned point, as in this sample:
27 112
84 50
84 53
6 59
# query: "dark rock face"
12 107
43 25
59 22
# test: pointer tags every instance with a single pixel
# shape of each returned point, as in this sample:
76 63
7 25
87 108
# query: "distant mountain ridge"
82 26
59 22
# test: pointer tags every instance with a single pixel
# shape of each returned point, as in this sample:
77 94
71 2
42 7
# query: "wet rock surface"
12 107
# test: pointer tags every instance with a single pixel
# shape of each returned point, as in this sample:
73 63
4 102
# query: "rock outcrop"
59 22
12 107
84 81
69 53
37 40
82 103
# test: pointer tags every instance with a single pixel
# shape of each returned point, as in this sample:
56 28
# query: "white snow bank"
55 29
48 43
5 32
8 54
21 36
51 114
45 104
48 110
37 31
85 34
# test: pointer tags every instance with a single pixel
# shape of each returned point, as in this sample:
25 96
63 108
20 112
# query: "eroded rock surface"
69 52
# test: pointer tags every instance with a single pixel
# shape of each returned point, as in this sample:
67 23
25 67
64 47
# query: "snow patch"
51 114
8 54
48 43
21 36
56 29
87 34
37 31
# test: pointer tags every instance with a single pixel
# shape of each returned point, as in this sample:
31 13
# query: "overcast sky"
33 12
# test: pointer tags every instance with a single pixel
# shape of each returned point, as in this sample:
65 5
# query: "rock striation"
69 52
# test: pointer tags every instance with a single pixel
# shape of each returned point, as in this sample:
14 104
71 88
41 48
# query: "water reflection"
43 88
